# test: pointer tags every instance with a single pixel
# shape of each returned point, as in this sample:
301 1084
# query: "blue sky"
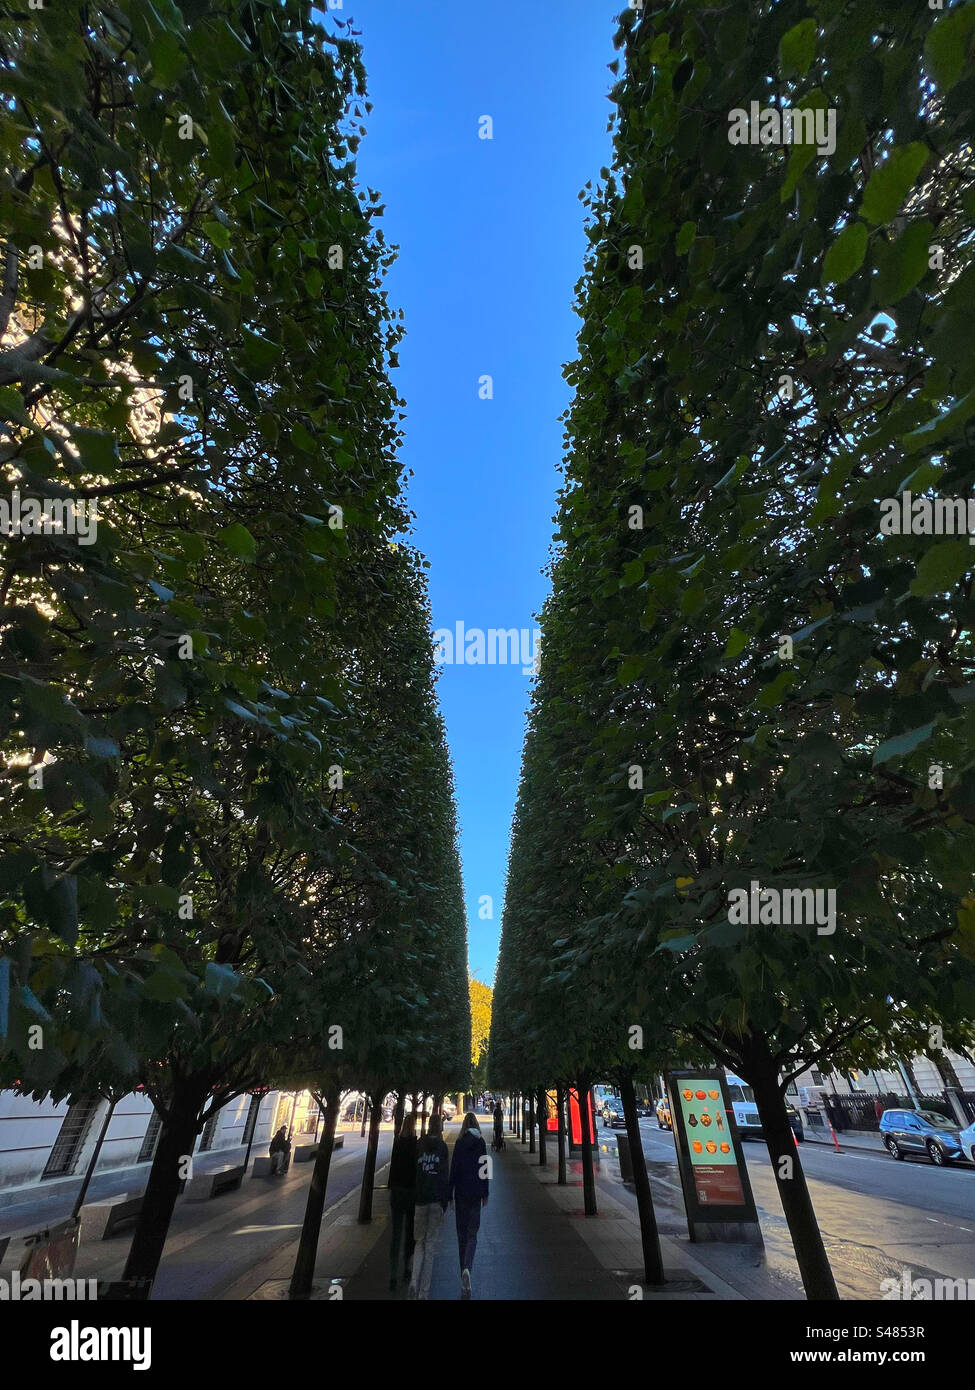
491 245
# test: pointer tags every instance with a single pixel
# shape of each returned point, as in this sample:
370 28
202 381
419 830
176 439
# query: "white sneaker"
465 1282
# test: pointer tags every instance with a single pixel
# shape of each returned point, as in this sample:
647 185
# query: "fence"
864 1111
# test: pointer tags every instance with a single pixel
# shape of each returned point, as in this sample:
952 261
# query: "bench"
305 1153
99 1220
215 1181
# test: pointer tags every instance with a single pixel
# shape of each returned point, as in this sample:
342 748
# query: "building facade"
46 1146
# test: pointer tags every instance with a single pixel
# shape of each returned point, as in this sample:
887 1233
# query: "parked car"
921 1132
663 1114
613 1112
795 1120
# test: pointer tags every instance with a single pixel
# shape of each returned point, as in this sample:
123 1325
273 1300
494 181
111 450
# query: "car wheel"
893 1148
937 1154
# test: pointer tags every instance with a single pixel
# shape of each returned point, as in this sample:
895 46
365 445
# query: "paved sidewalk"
848 1139
528 1248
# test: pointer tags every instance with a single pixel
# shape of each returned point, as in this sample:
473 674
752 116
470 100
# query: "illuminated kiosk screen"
709 1144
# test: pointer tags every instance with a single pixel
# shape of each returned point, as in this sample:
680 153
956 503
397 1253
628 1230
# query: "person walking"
279 1148
402 1195
498 1125
432 1192
469 1192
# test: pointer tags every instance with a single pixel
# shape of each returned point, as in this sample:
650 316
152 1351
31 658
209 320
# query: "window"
148 1151
71 1139
817 1077
209 1129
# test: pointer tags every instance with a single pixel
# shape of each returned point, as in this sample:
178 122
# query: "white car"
966 1138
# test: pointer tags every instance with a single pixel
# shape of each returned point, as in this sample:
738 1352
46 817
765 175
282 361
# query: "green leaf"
901 745
258 350
238 540
168 60
685 237
164 986
4 995
737 642
903 263
797 48
948 45
890 184
217 233
942 566
946 423
301 437
845 257
97 448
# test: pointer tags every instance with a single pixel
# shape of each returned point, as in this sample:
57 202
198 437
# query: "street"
878 1217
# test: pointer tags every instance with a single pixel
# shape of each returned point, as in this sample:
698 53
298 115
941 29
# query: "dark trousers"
401 1204
468 1211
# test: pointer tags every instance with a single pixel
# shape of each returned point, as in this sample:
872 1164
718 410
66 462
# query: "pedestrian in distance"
469 1193
498 1144
280 1150
432 1192
402 1198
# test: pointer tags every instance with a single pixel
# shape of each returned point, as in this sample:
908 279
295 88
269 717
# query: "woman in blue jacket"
469 1168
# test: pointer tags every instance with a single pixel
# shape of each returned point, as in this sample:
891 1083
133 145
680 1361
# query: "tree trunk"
303 1274
542 1136
560 1103
531 1121
80 1199
423 1113
365 1108
653 1263
398 1112
814 1266
588 1175
369 1167
176 1141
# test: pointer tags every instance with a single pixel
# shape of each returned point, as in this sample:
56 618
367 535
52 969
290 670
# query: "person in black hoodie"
469 1193
432 1192
402 1194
